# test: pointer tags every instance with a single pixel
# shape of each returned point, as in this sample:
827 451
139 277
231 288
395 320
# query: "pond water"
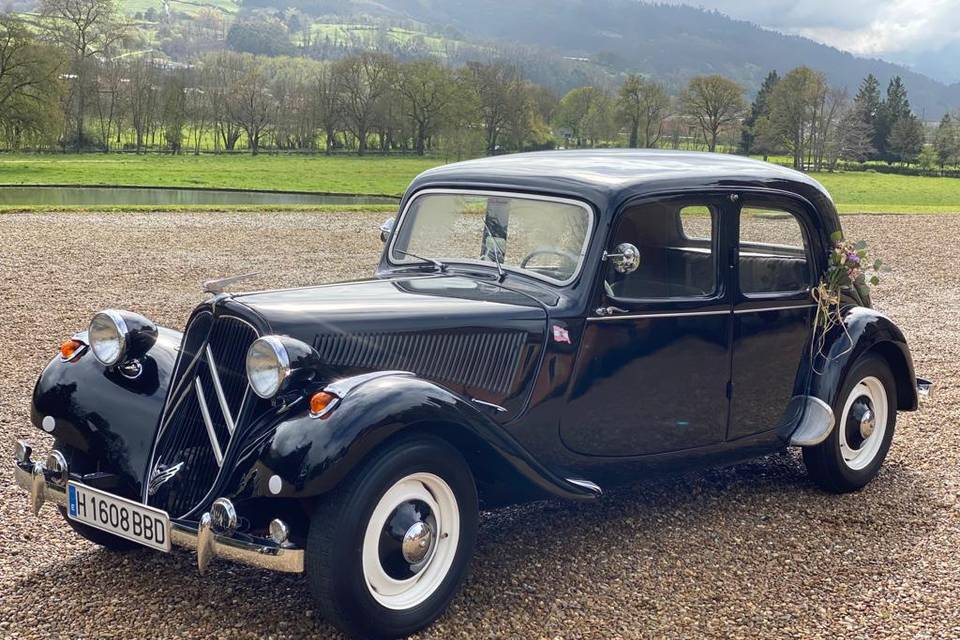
113 196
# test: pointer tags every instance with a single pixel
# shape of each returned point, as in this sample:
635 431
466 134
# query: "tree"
579 109
868 104
363 80
251 105
906 138
326 104
141 98
29 92
173 114
714 103
803 115
87 29
260 35
946 141
497 93
896 107
643 107
854 141
759 113
426 86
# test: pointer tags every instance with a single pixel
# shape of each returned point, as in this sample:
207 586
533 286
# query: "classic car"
541 325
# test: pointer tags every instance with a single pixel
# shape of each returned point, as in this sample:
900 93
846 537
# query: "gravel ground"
752 551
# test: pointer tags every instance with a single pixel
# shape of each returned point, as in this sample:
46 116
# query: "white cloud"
865 27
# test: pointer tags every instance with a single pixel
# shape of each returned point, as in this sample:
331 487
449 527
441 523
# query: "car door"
654 363
773 312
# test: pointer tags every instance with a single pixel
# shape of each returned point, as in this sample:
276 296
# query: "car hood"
472 335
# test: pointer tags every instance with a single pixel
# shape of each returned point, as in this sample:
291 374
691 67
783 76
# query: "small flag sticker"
561 335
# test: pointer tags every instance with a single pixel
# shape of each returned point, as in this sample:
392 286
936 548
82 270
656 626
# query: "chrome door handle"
609 311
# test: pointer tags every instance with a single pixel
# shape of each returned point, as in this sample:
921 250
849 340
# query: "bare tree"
363 80
714 103
426 86
141 97
326 104
496 89
251 105
644 107
86 29
28 87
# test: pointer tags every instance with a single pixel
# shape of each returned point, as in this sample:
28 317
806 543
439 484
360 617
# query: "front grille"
210 402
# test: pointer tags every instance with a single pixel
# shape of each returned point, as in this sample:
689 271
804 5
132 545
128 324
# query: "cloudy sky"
914 32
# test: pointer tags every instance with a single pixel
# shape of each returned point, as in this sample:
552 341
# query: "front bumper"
50 486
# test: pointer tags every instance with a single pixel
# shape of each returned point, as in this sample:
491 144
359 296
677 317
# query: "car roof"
608 177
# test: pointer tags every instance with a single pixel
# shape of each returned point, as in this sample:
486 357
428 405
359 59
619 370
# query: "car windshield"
544 237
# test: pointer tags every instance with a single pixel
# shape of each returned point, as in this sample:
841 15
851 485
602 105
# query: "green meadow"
854 192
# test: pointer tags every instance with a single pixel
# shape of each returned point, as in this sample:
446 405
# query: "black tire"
825 462
96 536
334 552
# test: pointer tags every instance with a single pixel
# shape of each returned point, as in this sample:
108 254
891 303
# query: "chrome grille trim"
208 422
221 397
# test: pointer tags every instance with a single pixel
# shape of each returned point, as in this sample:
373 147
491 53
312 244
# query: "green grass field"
854 191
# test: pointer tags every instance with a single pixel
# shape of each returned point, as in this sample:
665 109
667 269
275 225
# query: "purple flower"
854 258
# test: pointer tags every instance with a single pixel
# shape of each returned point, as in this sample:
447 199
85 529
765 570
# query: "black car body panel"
567 386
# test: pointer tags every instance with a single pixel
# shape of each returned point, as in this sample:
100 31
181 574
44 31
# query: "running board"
815 425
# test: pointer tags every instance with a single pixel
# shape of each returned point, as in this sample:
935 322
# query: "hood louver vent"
482 360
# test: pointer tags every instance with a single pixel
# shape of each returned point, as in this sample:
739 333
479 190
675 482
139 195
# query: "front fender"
866 330
105 415
312 455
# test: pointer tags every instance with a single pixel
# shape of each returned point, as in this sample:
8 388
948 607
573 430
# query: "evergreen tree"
759 111
906 138
894 109
946 141
868 105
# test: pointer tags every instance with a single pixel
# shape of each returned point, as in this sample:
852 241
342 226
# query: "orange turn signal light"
69 348
321 401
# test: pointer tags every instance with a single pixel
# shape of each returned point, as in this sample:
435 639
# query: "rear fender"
107 416
305 456
866 330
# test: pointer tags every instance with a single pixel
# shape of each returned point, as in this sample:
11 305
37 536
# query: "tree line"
69 82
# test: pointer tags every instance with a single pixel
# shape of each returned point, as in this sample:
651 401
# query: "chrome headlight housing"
116 336
276 362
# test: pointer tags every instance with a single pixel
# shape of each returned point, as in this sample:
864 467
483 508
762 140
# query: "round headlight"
108 337
268 365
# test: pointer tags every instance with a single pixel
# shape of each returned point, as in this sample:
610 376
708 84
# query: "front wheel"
388 550
866 414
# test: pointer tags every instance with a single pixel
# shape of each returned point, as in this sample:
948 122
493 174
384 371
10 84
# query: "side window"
773 252
677 249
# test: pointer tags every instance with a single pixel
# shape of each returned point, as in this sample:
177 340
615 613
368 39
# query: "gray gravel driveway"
751 551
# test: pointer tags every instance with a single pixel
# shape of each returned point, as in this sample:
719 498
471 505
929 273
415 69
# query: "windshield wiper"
439 265
496 249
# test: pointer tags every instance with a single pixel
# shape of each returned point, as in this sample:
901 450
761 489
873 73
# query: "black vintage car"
539 325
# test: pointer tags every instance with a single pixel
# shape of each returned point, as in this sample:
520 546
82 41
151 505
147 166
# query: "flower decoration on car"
851 271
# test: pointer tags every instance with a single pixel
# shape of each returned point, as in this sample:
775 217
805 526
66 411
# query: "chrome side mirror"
626 259
387 228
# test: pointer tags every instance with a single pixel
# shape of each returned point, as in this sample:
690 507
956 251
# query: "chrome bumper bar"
50 486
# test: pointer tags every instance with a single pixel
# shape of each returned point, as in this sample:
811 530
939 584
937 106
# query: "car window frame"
584 250
801 213
718 242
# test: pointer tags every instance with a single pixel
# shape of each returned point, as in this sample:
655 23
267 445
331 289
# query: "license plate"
125 518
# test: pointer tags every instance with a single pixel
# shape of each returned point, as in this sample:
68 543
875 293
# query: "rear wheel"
866 414
388 550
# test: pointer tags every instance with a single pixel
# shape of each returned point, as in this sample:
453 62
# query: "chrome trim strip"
221 397
255 552
783 308
207 421
676 314
586 484
520 195
496 407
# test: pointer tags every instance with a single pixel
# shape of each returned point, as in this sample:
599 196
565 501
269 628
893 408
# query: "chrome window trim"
494 193
678 314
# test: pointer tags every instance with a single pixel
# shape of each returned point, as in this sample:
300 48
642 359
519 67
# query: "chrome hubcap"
417 543
868 422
